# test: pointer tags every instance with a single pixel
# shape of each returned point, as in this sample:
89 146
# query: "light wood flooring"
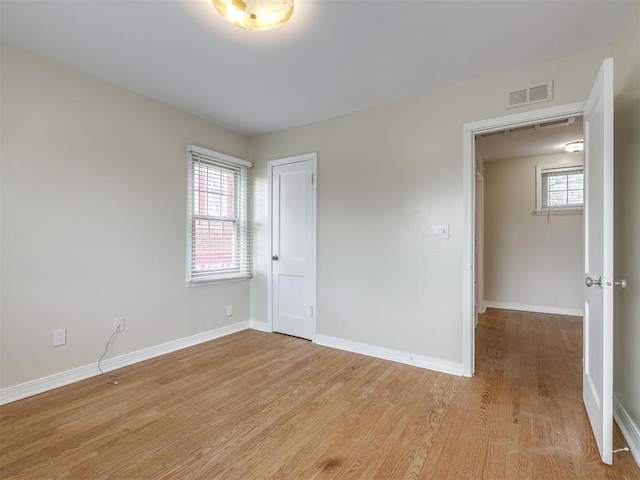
254 406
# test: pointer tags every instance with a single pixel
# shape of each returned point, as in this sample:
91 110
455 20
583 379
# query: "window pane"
214 191
213 244
557 198
575 181
576 197
557 182
562 188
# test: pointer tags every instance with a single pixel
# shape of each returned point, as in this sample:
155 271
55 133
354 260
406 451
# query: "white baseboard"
44 384
260 326
628 427
573 312
399 356
40 385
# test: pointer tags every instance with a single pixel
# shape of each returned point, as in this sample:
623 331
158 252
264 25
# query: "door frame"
479 258
313 156
470 130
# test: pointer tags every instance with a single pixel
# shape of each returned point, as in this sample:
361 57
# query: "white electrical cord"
111 377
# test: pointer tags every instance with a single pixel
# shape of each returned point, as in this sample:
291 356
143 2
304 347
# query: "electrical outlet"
119 324
230 310
59 337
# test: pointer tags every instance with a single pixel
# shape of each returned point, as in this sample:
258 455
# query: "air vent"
522 129
538 92
559 123
493 134
518 97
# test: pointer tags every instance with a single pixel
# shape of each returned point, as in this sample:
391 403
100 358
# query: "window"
560 189
218 235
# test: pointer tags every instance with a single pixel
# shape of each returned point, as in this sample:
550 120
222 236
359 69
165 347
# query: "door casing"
313 156
470 130
479 258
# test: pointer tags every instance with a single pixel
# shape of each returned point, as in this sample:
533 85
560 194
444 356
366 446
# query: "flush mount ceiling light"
574 147
255 14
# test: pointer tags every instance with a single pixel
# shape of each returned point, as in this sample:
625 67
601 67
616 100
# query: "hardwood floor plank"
265 406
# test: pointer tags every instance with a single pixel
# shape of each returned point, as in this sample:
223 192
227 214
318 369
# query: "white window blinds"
218 230
561 187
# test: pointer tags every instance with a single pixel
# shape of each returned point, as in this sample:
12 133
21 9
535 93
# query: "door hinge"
311 310
312 179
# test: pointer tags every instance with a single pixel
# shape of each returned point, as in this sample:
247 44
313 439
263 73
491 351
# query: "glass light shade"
255 14
574 147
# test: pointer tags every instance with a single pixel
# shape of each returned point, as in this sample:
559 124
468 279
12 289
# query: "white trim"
630 430
269 245
219 156
559 211
314 186
399 356
294 159
479 257
259 326
313 156
44 384
469 131
522 307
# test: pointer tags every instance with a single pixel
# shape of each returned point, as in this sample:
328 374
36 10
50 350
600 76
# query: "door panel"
293 212
293 230
598 261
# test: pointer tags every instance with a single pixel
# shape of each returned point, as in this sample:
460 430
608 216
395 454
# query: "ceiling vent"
564 122
536 93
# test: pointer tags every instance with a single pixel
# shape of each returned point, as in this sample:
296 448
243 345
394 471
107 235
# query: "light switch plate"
443 231
59 337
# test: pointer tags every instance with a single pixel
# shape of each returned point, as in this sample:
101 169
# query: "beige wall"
626 52
530 259
102 173
386 178
94 218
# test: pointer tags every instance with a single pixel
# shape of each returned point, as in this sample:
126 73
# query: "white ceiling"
334 57
529 142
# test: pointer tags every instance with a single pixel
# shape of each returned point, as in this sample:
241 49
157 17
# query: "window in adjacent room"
218 233
560 189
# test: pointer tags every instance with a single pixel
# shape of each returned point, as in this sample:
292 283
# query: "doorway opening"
529 218
494 126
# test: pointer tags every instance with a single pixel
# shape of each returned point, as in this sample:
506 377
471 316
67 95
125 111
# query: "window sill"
209 281
559 211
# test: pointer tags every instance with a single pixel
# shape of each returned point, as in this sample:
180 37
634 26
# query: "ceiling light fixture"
574 147
255 14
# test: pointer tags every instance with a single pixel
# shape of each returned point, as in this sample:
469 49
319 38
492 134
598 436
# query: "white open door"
293 227
598 260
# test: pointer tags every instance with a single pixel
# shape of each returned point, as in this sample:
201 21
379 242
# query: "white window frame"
557 210
197 154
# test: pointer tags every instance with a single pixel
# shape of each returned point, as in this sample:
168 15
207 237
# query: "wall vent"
536 93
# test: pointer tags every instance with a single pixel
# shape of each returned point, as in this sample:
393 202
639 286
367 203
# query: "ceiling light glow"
574 147
255 14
